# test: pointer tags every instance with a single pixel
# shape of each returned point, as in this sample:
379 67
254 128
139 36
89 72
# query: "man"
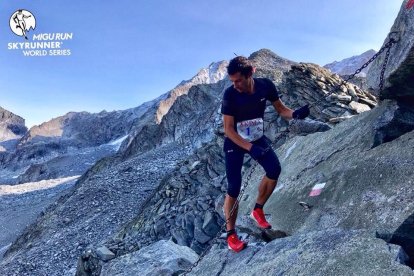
243 109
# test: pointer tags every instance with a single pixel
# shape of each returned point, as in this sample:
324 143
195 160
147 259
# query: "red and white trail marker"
317 189
409 5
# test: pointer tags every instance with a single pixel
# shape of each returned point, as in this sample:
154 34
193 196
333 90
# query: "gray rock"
204 206
160 227
189 224
359 107
345 98
218 206
160 258
104 253
210 226
329 252
351 161
307 126
398 74
340 119
199 234
182 237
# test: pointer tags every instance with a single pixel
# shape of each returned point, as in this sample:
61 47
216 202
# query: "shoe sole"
258 225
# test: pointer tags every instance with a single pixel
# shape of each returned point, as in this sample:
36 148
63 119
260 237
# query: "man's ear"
254 70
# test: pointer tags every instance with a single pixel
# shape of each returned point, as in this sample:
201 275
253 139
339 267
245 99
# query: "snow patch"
117 143
35 186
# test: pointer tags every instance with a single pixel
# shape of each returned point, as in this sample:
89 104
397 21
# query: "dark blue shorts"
234 161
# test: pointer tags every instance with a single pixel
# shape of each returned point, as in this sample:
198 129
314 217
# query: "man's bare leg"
266 188
228 205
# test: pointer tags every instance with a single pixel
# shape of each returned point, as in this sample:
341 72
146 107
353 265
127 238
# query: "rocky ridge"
215 72
12 128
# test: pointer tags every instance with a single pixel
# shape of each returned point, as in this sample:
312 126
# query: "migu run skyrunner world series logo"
23 23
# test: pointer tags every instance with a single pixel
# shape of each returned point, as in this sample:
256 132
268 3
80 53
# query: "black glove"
257 152
301 113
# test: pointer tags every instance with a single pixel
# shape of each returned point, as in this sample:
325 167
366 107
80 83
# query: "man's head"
240 64
240 73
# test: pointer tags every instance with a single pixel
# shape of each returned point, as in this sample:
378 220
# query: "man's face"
240 82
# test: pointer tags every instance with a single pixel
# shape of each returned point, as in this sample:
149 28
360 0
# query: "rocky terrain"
181 203
156 206
38 162
20 205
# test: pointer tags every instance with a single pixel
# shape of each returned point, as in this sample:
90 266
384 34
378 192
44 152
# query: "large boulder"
325 252
399 74
364 175
160 258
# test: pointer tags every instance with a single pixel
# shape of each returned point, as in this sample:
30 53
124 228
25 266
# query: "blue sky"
126 52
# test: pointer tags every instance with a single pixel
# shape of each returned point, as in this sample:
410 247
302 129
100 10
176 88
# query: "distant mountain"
68 145
215 72
348 66
12 127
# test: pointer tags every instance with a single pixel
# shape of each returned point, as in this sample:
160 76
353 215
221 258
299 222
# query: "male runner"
243 109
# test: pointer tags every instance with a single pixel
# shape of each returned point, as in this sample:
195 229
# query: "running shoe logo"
21 22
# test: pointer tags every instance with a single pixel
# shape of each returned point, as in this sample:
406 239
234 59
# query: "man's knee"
274 171
233 192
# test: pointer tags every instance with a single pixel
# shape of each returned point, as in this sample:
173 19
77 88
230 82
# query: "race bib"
250 130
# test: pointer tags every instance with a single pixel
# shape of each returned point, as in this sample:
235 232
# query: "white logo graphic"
21 22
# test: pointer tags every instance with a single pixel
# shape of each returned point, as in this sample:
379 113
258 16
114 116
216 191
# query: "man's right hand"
257 152
301 113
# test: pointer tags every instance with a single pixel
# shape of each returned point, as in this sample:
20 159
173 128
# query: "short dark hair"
240 64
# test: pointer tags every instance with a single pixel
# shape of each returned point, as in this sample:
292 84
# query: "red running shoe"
235 244
258 216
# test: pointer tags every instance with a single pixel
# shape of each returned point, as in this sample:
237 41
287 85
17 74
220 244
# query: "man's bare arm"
283 111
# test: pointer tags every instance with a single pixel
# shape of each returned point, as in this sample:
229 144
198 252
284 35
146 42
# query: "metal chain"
387 55
387 46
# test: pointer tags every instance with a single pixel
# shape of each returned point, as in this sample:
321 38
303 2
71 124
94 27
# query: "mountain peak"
348 66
